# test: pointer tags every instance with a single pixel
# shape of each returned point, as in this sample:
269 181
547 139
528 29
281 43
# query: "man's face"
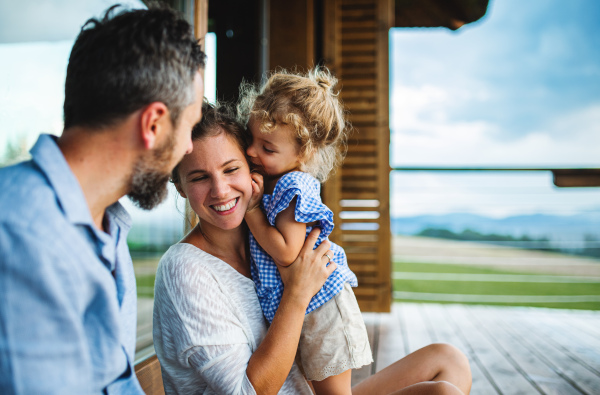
152 171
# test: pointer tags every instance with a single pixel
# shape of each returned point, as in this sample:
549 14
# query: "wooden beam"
569 178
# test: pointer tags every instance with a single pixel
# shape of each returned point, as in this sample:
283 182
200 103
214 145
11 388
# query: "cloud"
425 134
50 20
511 70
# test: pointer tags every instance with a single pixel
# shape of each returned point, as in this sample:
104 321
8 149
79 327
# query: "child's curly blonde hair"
308 103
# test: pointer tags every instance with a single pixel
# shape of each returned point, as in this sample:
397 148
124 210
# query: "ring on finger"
328 257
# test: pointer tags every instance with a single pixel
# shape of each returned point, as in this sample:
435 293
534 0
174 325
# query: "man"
67 289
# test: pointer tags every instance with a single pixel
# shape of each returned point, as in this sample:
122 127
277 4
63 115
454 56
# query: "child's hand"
258 188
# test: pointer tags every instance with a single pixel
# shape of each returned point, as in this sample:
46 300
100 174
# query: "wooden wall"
356 48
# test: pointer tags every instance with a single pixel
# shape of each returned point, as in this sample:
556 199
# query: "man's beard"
150 177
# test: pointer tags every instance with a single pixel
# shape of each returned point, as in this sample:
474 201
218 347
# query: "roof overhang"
451 14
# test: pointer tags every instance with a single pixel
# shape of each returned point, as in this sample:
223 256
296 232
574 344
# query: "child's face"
277 152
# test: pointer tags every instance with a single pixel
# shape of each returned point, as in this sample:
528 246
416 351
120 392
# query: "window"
519 89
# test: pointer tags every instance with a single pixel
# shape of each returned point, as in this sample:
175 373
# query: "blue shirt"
309 208
67 290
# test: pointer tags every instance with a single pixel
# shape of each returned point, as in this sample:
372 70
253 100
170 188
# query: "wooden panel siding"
356 50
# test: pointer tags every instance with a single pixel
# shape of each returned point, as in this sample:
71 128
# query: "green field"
145 285
446 288
491 286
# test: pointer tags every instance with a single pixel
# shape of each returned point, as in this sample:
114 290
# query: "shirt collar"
46 154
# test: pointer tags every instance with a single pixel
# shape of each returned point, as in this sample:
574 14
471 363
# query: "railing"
535 271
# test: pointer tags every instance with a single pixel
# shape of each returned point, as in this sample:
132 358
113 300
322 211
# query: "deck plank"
392 341
418 334
578 344
542 376
446 332
508 378
588 323
570 369
511 350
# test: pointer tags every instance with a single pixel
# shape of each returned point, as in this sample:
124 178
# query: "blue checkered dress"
309 208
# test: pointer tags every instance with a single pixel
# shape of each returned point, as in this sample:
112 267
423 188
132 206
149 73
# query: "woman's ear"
181 193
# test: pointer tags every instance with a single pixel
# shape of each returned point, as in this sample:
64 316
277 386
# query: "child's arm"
284 240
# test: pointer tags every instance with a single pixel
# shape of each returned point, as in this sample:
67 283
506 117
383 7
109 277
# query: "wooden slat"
355 93
358 160
360 184
359 3
359 46
362 36
150 377
362 149
358 81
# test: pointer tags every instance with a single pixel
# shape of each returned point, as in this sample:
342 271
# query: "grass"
492 288
145 285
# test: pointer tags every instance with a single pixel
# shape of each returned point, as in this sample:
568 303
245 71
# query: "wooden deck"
511 350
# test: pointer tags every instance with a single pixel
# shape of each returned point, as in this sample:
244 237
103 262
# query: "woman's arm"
284 240
272 361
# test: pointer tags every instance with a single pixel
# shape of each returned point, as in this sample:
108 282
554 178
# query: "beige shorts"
334 338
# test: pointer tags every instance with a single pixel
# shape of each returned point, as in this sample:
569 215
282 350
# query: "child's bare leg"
340 384
434 369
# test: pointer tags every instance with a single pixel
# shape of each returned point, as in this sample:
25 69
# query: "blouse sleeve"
199 322
309 207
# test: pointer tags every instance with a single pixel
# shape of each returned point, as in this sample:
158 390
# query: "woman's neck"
231 246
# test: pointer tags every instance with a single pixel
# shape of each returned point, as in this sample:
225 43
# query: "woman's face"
215 178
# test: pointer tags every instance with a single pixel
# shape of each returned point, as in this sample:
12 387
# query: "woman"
209 332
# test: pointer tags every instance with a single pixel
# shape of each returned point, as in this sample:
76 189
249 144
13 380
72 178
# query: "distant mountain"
554 227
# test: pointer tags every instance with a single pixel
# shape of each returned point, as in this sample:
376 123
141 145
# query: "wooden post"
356 48
200 30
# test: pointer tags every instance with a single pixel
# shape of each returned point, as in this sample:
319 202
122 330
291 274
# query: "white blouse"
207 324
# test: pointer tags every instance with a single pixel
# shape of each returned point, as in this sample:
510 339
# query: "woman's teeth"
226 206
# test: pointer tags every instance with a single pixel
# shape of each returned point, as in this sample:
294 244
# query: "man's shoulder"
26 195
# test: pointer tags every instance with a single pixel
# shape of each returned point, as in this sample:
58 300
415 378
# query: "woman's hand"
307 274
258 187
272 361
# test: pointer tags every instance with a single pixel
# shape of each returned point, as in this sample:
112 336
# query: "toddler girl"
298 129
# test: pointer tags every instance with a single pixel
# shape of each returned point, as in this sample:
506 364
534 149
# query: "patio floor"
512 350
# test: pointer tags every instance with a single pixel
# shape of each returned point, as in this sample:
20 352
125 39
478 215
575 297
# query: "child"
298 128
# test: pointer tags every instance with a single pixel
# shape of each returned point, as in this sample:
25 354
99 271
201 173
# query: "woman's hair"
216 119
308 103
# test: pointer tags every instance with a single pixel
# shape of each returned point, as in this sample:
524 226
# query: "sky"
518 88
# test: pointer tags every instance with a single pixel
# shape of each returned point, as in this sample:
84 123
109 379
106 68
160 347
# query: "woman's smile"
225 208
